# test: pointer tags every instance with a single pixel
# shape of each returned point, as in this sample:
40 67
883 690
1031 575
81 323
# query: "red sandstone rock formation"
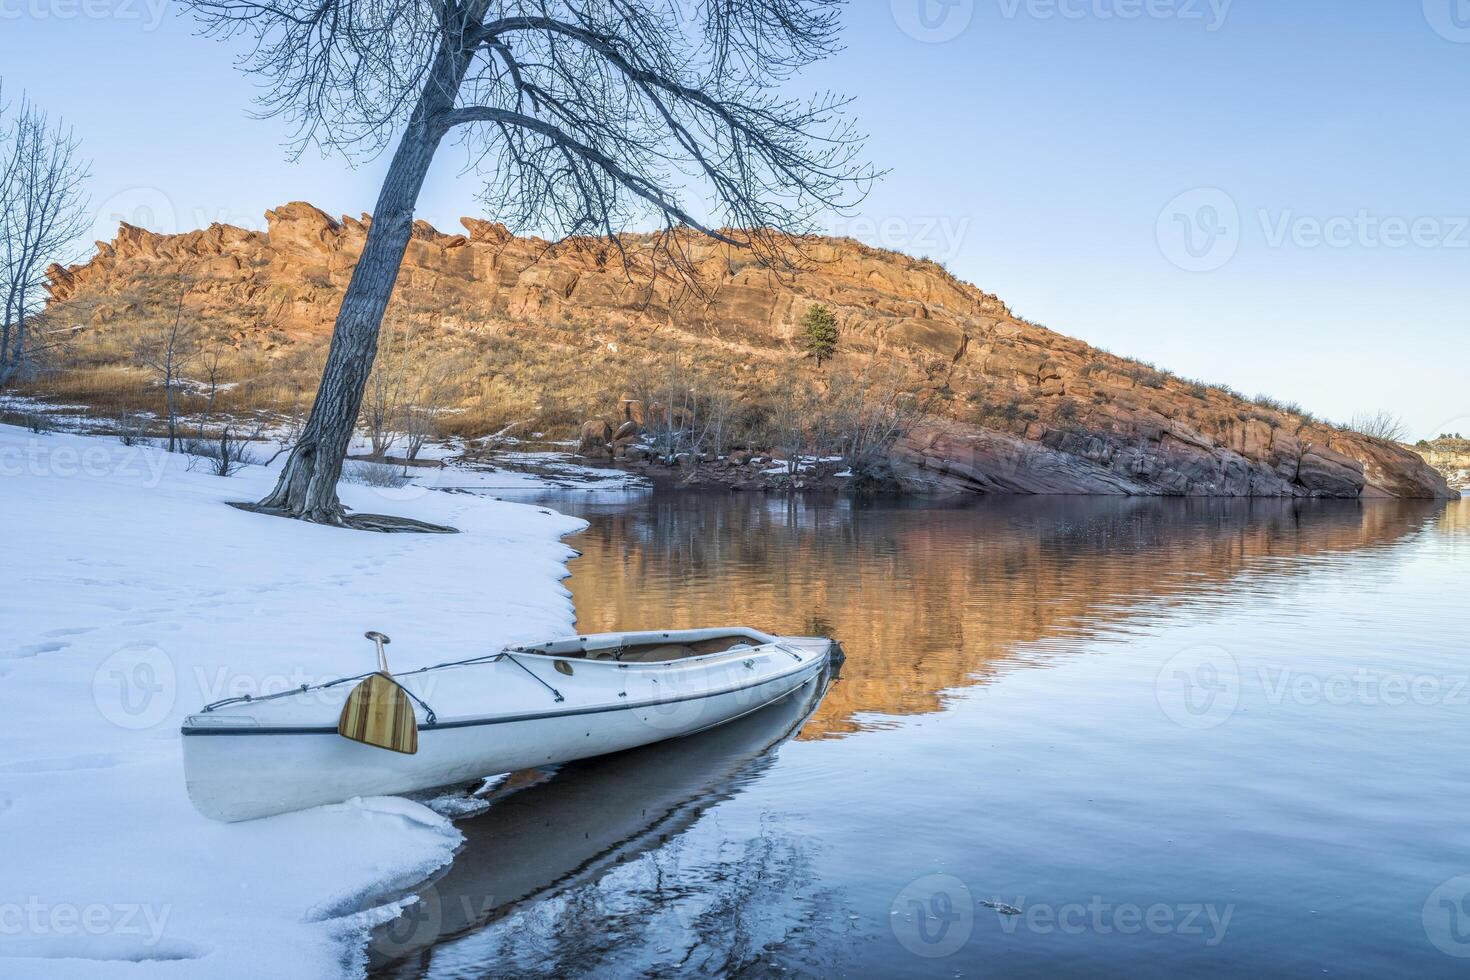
1013 407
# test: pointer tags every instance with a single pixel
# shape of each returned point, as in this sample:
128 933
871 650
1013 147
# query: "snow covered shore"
130 595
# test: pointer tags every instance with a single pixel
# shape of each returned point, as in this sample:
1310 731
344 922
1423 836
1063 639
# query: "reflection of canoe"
576 824
526 706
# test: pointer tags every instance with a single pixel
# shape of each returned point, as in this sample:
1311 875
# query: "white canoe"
525 706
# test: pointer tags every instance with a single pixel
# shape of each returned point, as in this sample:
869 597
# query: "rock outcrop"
1010 406
1450 455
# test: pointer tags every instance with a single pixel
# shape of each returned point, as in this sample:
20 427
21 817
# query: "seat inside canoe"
652 653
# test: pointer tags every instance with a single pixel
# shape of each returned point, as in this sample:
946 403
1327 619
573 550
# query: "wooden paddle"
378 712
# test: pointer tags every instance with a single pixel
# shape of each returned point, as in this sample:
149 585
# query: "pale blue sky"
1055 152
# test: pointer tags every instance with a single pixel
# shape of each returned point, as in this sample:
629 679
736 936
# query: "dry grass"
549 377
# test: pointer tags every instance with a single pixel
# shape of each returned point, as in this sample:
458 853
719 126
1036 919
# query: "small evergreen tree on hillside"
819 332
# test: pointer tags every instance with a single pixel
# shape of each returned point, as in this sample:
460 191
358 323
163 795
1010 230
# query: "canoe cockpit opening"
648 650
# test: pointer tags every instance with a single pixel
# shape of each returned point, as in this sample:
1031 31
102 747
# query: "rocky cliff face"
1010 406
1450 455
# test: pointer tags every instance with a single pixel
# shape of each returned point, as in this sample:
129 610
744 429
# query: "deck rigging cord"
430 718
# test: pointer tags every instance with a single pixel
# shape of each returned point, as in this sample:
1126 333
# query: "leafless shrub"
225 455
369 474
408 389
1380 425
868 415
428 387
670 400
132 429
799 427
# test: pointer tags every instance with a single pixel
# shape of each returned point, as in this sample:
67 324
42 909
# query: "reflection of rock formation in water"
545 844
928 599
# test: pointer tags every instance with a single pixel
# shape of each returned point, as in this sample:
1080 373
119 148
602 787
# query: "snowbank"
130 595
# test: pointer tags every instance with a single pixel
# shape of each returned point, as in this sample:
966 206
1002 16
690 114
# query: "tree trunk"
7 367
168 399
307 488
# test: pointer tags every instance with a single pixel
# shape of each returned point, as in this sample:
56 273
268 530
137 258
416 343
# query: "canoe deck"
526 706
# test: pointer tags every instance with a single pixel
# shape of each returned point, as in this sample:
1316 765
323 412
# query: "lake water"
1073 737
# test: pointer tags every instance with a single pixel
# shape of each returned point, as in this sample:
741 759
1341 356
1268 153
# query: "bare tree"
584 116
382 408
213 369
1380 425
718 407
798 424
168 349
667 398
869 415
428 387
42 215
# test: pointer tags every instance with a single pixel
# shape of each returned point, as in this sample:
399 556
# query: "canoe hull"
242 773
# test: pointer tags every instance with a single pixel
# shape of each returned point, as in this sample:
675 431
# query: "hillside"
555 335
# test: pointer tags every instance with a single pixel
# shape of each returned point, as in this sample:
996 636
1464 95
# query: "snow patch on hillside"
130 596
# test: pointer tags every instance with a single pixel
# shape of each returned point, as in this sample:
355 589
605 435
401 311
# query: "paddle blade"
378 712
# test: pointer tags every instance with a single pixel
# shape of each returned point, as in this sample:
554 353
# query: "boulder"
1323 472
597 437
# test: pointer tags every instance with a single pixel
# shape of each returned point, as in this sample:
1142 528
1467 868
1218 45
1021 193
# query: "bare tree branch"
584 117
43 213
